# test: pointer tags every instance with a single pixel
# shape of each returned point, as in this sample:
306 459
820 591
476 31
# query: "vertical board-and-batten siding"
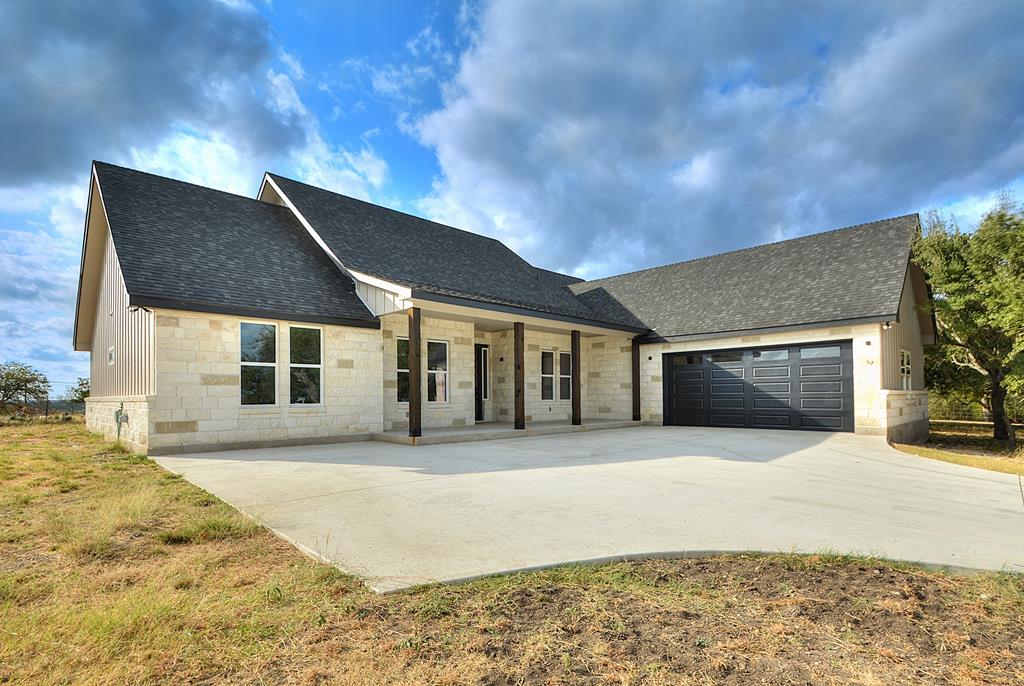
378 300
903 335
130 332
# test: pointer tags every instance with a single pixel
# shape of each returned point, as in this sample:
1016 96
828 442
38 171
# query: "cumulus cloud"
602 137
98 78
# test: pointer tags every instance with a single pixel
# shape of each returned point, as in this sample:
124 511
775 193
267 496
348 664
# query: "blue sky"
593 138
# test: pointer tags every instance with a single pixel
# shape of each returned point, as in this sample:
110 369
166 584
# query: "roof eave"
160 302
420 294
655 337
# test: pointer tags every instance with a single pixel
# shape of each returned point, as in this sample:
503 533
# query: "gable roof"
184 246
432 258
849 274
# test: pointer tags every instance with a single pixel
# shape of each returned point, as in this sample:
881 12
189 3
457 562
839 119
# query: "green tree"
20 383
79 392
977 281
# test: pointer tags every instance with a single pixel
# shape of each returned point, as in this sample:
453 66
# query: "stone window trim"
906 370
302 365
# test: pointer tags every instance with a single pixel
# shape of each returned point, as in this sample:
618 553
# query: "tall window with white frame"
258 359
305 370
906 381
564 376
437 372
402 364
547 375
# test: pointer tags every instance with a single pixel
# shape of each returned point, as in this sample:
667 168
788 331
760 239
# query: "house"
218 321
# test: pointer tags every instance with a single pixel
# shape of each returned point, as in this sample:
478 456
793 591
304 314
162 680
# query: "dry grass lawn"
113 571
969 444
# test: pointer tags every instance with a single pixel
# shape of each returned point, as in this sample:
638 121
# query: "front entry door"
481 378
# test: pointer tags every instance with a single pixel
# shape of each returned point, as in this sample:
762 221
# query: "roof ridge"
752 247
184 183
389 209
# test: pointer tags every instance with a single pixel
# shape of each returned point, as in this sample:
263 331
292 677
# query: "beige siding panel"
378 300
903 335
128 332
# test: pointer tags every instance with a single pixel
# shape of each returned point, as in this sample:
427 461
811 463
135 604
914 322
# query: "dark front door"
795 387
481 379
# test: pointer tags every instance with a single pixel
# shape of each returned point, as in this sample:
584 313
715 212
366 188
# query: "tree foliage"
79 392
977 281
20 383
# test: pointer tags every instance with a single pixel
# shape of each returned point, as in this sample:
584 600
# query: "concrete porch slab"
489 431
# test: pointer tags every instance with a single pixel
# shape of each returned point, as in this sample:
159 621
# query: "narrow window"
305 373
403 370
547 375
565 376
727 357
817 353
905 370
437 372
485 358
111 356
258 357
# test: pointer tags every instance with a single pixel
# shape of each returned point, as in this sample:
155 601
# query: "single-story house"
216 321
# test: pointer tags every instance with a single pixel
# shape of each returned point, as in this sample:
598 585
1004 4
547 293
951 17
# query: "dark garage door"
796 387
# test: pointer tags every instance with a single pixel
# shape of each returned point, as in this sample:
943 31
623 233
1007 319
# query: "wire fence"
952 409
44 408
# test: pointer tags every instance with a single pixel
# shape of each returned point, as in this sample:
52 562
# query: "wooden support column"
577 414
636 381
415 374
520 375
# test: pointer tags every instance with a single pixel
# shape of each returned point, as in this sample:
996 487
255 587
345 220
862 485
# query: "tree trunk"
1002 427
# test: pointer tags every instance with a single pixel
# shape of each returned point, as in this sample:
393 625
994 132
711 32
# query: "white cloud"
604 137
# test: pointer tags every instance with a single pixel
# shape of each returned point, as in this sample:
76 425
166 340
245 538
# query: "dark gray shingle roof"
845 274
189 247
432 257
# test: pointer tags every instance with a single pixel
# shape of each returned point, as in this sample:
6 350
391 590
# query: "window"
815 353
485 363
905 370
258 356
565 376
727 357
771 355
305 373
437 372
111 356
687 360
547 375
402 363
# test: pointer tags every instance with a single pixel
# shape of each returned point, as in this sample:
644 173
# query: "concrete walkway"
400 515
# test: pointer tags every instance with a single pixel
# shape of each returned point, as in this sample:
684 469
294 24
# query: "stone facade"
609 377
100 416
197 401
906 416
870 412
459 409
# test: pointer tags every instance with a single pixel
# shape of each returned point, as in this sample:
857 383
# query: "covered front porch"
457 370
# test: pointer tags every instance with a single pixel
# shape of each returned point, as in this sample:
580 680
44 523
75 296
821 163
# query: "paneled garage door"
795 387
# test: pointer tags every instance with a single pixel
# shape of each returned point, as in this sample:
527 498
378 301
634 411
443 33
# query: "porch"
456 373
487 431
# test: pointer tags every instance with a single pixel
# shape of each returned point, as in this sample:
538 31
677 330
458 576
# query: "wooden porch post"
520 375
577 415
636 381
415 374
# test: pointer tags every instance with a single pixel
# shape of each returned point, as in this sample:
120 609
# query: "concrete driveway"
400 515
